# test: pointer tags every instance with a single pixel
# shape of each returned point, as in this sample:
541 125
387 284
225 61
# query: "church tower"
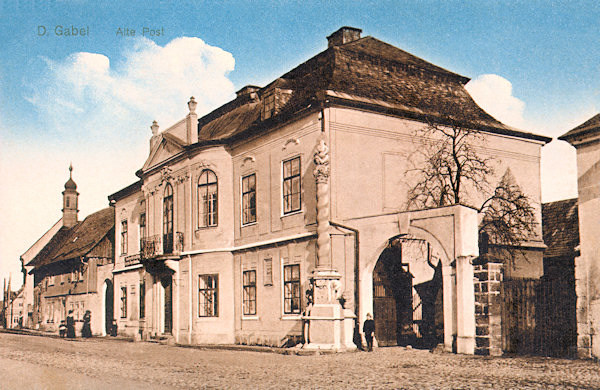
70 196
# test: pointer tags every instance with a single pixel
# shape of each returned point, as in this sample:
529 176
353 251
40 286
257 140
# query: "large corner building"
278 217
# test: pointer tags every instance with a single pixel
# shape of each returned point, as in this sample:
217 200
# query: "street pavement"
33 362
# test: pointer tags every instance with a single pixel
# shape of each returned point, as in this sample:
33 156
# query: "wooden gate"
520 297
392 300
557 324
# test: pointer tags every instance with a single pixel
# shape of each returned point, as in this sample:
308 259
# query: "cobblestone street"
49 363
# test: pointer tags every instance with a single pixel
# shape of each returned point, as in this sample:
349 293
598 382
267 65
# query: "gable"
163 150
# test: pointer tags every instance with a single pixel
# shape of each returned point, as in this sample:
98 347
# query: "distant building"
586 139
279 216
69 269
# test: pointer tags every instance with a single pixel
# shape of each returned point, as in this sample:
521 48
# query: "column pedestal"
330 327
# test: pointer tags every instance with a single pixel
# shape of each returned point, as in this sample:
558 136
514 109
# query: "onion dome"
70 184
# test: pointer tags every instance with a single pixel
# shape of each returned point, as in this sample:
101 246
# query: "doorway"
407 295
108 306
168 288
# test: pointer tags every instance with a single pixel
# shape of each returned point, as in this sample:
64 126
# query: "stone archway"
452 232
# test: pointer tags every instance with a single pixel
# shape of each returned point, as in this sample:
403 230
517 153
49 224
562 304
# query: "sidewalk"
225 347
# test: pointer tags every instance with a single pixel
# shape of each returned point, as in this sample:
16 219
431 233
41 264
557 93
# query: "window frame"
243 198
203 292
249 301
123 301
168 219
143 228
291 282
290 179
204 204
124 236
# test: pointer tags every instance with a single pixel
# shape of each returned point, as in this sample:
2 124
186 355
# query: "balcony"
150 247
166 244
132 259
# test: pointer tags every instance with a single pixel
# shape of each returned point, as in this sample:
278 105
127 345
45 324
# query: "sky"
90 99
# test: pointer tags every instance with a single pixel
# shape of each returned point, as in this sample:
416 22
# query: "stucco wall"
587 271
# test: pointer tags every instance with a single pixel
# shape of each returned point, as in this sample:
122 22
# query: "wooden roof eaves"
122 193
423 117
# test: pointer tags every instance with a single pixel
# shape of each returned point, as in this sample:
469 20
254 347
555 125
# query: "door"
108 307
168 287
392 299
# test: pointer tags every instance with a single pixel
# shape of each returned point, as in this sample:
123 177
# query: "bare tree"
448 169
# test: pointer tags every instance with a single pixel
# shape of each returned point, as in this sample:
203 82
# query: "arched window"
207 199
168 220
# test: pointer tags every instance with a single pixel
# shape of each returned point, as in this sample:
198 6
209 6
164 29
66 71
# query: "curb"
223 347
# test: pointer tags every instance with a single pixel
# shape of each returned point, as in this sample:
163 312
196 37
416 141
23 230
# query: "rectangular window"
123 302
75 275
142 299
291 289
51 280
291 185
123 237
249 199
208 295
249 298
142 228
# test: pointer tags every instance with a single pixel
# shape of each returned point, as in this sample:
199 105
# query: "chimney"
344 35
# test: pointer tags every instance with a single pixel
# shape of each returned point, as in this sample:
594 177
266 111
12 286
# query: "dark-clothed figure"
86 330
70 325
368 330
114 329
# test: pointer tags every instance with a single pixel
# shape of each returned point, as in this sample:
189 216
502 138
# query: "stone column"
321 173
326 316
449 294
465 306
488 308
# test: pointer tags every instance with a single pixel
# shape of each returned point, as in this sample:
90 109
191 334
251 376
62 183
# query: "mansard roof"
560 227
588 127
368 73
77 241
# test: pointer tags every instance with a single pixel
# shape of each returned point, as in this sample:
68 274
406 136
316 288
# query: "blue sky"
90 100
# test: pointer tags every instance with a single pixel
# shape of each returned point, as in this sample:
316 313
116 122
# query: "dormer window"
268 105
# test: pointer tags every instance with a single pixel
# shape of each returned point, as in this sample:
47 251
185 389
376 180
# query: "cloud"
151 82
95 112
493 93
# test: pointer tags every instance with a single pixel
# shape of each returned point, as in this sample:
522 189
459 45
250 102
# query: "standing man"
368 330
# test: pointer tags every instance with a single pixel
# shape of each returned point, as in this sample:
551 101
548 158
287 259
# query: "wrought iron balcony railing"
150 247
132 259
